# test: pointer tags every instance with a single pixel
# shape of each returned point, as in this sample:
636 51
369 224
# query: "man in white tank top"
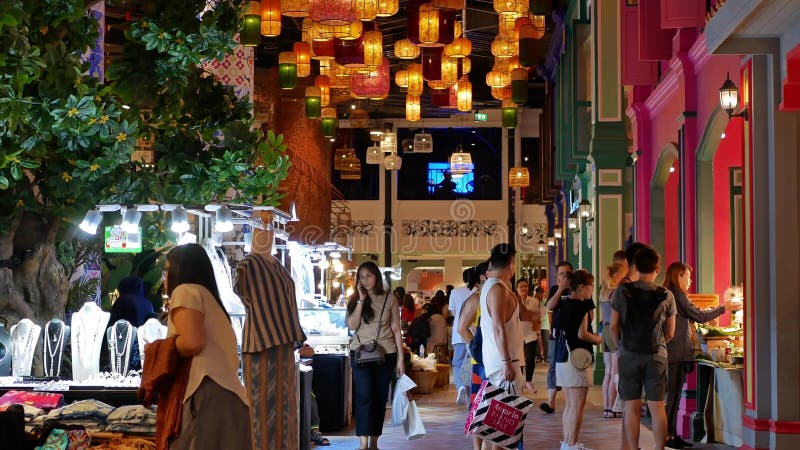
503 351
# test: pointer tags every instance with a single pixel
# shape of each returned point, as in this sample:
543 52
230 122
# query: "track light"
130 220
91 221
180 220
224 222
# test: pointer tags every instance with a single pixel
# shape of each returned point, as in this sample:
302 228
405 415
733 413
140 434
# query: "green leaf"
3 182
16 172
8 20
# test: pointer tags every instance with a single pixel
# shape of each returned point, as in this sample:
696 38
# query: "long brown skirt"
270 378
213 418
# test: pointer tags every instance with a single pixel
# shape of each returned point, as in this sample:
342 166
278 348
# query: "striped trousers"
270 377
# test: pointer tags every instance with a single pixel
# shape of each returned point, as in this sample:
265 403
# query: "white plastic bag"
400 400
413 425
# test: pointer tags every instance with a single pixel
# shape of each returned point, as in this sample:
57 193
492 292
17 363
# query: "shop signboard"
119 241
704 301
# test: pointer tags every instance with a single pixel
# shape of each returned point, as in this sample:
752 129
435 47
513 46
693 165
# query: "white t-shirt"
458 296
528 335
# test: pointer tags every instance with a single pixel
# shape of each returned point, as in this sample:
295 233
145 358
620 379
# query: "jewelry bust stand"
120 343
88 325
150 331
56 334
24 337
5 351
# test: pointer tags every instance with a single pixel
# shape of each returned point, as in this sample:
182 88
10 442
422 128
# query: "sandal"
607 414
318 439
616 414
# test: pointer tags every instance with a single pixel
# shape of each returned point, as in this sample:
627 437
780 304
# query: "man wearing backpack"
642 322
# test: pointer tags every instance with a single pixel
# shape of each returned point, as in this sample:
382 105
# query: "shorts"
570 377
513 387
637 370
608 341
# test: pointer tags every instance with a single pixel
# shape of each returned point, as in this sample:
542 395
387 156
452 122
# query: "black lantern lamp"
729 99
585 209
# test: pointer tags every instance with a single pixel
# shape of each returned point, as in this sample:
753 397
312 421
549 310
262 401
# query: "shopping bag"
413 425
400 400
500 417
473 408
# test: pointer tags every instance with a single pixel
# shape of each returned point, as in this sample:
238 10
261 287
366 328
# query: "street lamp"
585 209
729 99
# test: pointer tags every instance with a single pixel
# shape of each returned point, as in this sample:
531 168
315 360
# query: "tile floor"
444 423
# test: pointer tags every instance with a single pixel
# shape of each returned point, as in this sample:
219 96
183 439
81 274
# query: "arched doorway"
664 198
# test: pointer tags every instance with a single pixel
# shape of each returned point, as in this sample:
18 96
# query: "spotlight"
224 222
130 220
91 221
180 220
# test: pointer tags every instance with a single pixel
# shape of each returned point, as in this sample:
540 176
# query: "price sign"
119 241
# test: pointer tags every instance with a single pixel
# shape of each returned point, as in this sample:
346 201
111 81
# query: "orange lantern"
373 48
295 8
366 10
505 25
305 30
346 32
464 95
303 53
449 4
415 81
539 23
324 85
401 78
466 65
437 85
498 79
503 48
413 108
270 18
460 48
388 8
325 67
428 24
508 7
405 49
450 73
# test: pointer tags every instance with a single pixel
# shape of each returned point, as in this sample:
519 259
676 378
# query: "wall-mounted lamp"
551 241
729 99
671 169
541 246
585 209
632 158
557 233
524 230
572 222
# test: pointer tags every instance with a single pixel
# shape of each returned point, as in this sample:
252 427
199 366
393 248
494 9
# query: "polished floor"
444 424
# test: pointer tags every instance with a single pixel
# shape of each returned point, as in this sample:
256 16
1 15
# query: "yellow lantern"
438 84
413 108
449 4
428 24
295 8
450 73
460 48
506 27
466 65
539 24
497 79
325 67
405 49
508 7
388 8
519 177
373 48
401 78
458 30
270 18
347 32
305 30
366 10
415 84
324 85
464 95
303 53
503 48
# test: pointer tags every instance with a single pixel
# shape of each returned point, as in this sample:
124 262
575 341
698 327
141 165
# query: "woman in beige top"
374 314
215 407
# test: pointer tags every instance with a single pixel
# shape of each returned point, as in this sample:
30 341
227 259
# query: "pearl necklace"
119 364
54 345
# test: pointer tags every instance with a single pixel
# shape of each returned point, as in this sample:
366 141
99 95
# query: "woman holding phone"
374 314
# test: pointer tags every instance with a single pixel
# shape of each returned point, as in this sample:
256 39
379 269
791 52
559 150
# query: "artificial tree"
66 138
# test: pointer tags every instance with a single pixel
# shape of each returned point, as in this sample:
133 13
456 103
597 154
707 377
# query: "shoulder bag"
371 353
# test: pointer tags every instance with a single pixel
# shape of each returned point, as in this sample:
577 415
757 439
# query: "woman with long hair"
614 274
574 315
374 314
215 406
680 351
409 309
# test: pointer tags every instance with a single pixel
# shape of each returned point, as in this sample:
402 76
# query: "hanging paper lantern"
388 8
451 72
449 4
432 63
333 12
503 48
415 79
444 98
466 65
501 92
328 122
502 65
373 48
350 31
251 27
295 8
438 84
428 24
319 32
374 155
366 10
519 177
507 7
528 45
460 48
389 142
359 118
323 50
340 76
505 24
401 78
539 23
270 18
413 108
460 162
510 117
374 84
519 86
513 63
313 102
323 83
349 53
458 30
405 49
302 52
325 67
464 95
393 162
287 70
497 79
519 23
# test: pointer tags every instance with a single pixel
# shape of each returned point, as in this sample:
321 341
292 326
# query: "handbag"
560 351
371 353
500 417
580 358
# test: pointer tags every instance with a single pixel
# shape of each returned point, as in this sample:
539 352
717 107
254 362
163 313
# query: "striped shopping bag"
500 416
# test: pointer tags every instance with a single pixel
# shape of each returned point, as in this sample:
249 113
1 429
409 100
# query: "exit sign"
481 117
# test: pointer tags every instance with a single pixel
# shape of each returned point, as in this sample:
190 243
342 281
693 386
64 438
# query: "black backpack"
641 318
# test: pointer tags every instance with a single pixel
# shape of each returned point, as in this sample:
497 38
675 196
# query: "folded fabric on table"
89 410
126 444
31 412
133 415
42 400
132 429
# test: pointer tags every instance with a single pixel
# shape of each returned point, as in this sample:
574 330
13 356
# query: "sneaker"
684 443
547 408
565 446
463 396
580 446
674 443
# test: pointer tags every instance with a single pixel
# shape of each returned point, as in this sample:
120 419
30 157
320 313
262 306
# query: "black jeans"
371 392
531 352
676 377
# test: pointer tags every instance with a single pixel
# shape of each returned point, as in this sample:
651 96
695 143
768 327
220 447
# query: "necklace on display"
54 345
121 356
21 342
85 339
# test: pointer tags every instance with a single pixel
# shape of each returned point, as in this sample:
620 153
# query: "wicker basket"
443 378
425 379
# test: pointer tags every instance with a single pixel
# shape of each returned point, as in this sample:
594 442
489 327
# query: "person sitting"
420 330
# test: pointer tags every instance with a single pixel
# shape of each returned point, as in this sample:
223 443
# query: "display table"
114 396
719 396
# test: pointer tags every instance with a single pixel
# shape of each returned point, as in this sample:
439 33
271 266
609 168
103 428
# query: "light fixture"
729 99
572 222
223 223
541 246
392 162
551 241
130 220
91 221
324 264
671 169
180 220
585 209
524 229
557 233
335 254
250 34
374 155
722 136
335 284
247 238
